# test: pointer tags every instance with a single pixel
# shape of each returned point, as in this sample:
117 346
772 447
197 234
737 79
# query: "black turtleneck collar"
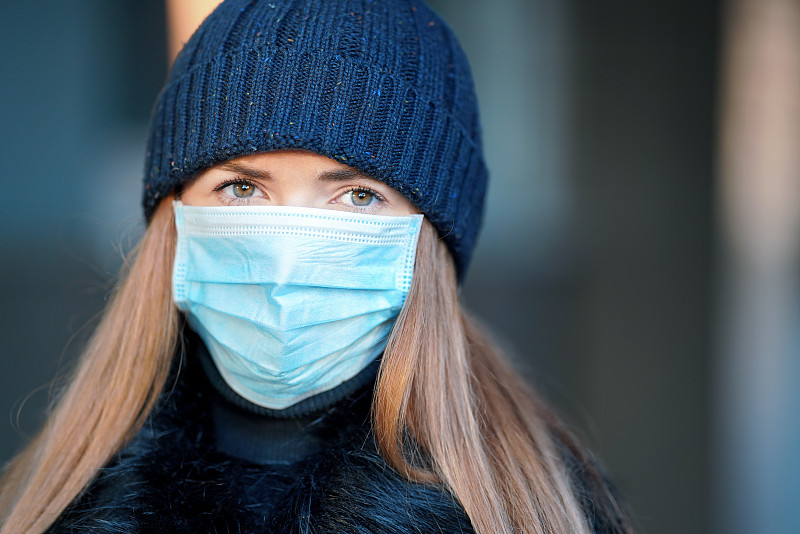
261 435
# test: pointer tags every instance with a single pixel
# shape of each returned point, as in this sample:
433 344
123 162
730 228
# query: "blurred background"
640 250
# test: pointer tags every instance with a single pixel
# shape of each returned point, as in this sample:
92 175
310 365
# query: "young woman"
286 351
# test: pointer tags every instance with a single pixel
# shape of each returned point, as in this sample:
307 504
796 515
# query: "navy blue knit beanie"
379 85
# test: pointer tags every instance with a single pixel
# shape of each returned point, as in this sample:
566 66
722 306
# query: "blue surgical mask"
291 302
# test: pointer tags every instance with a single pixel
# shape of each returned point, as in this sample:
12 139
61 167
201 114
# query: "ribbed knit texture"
380 85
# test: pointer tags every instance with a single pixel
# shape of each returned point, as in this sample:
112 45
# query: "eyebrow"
344 174
250 172
327 176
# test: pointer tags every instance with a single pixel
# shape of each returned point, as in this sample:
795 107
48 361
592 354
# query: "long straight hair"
113 388
448 409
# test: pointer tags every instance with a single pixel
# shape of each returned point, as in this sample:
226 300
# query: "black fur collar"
170 479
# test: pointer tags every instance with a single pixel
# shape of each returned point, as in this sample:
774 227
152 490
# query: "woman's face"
293 178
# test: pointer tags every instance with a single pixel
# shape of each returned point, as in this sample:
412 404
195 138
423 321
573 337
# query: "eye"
239 189
242 189
362 197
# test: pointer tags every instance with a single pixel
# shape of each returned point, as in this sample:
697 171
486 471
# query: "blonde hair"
448 409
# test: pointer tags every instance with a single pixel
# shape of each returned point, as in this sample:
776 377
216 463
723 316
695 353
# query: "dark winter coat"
172 478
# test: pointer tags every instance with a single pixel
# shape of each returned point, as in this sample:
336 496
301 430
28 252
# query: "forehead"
288 161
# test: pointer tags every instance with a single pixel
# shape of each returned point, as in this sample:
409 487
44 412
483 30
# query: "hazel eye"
242 190
234 190
362 197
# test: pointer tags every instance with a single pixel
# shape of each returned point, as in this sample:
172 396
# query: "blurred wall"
643 164
78 82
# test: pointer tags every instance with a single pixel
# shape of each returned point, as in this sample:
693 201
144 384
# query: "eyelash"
241 181
378 197
236 181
